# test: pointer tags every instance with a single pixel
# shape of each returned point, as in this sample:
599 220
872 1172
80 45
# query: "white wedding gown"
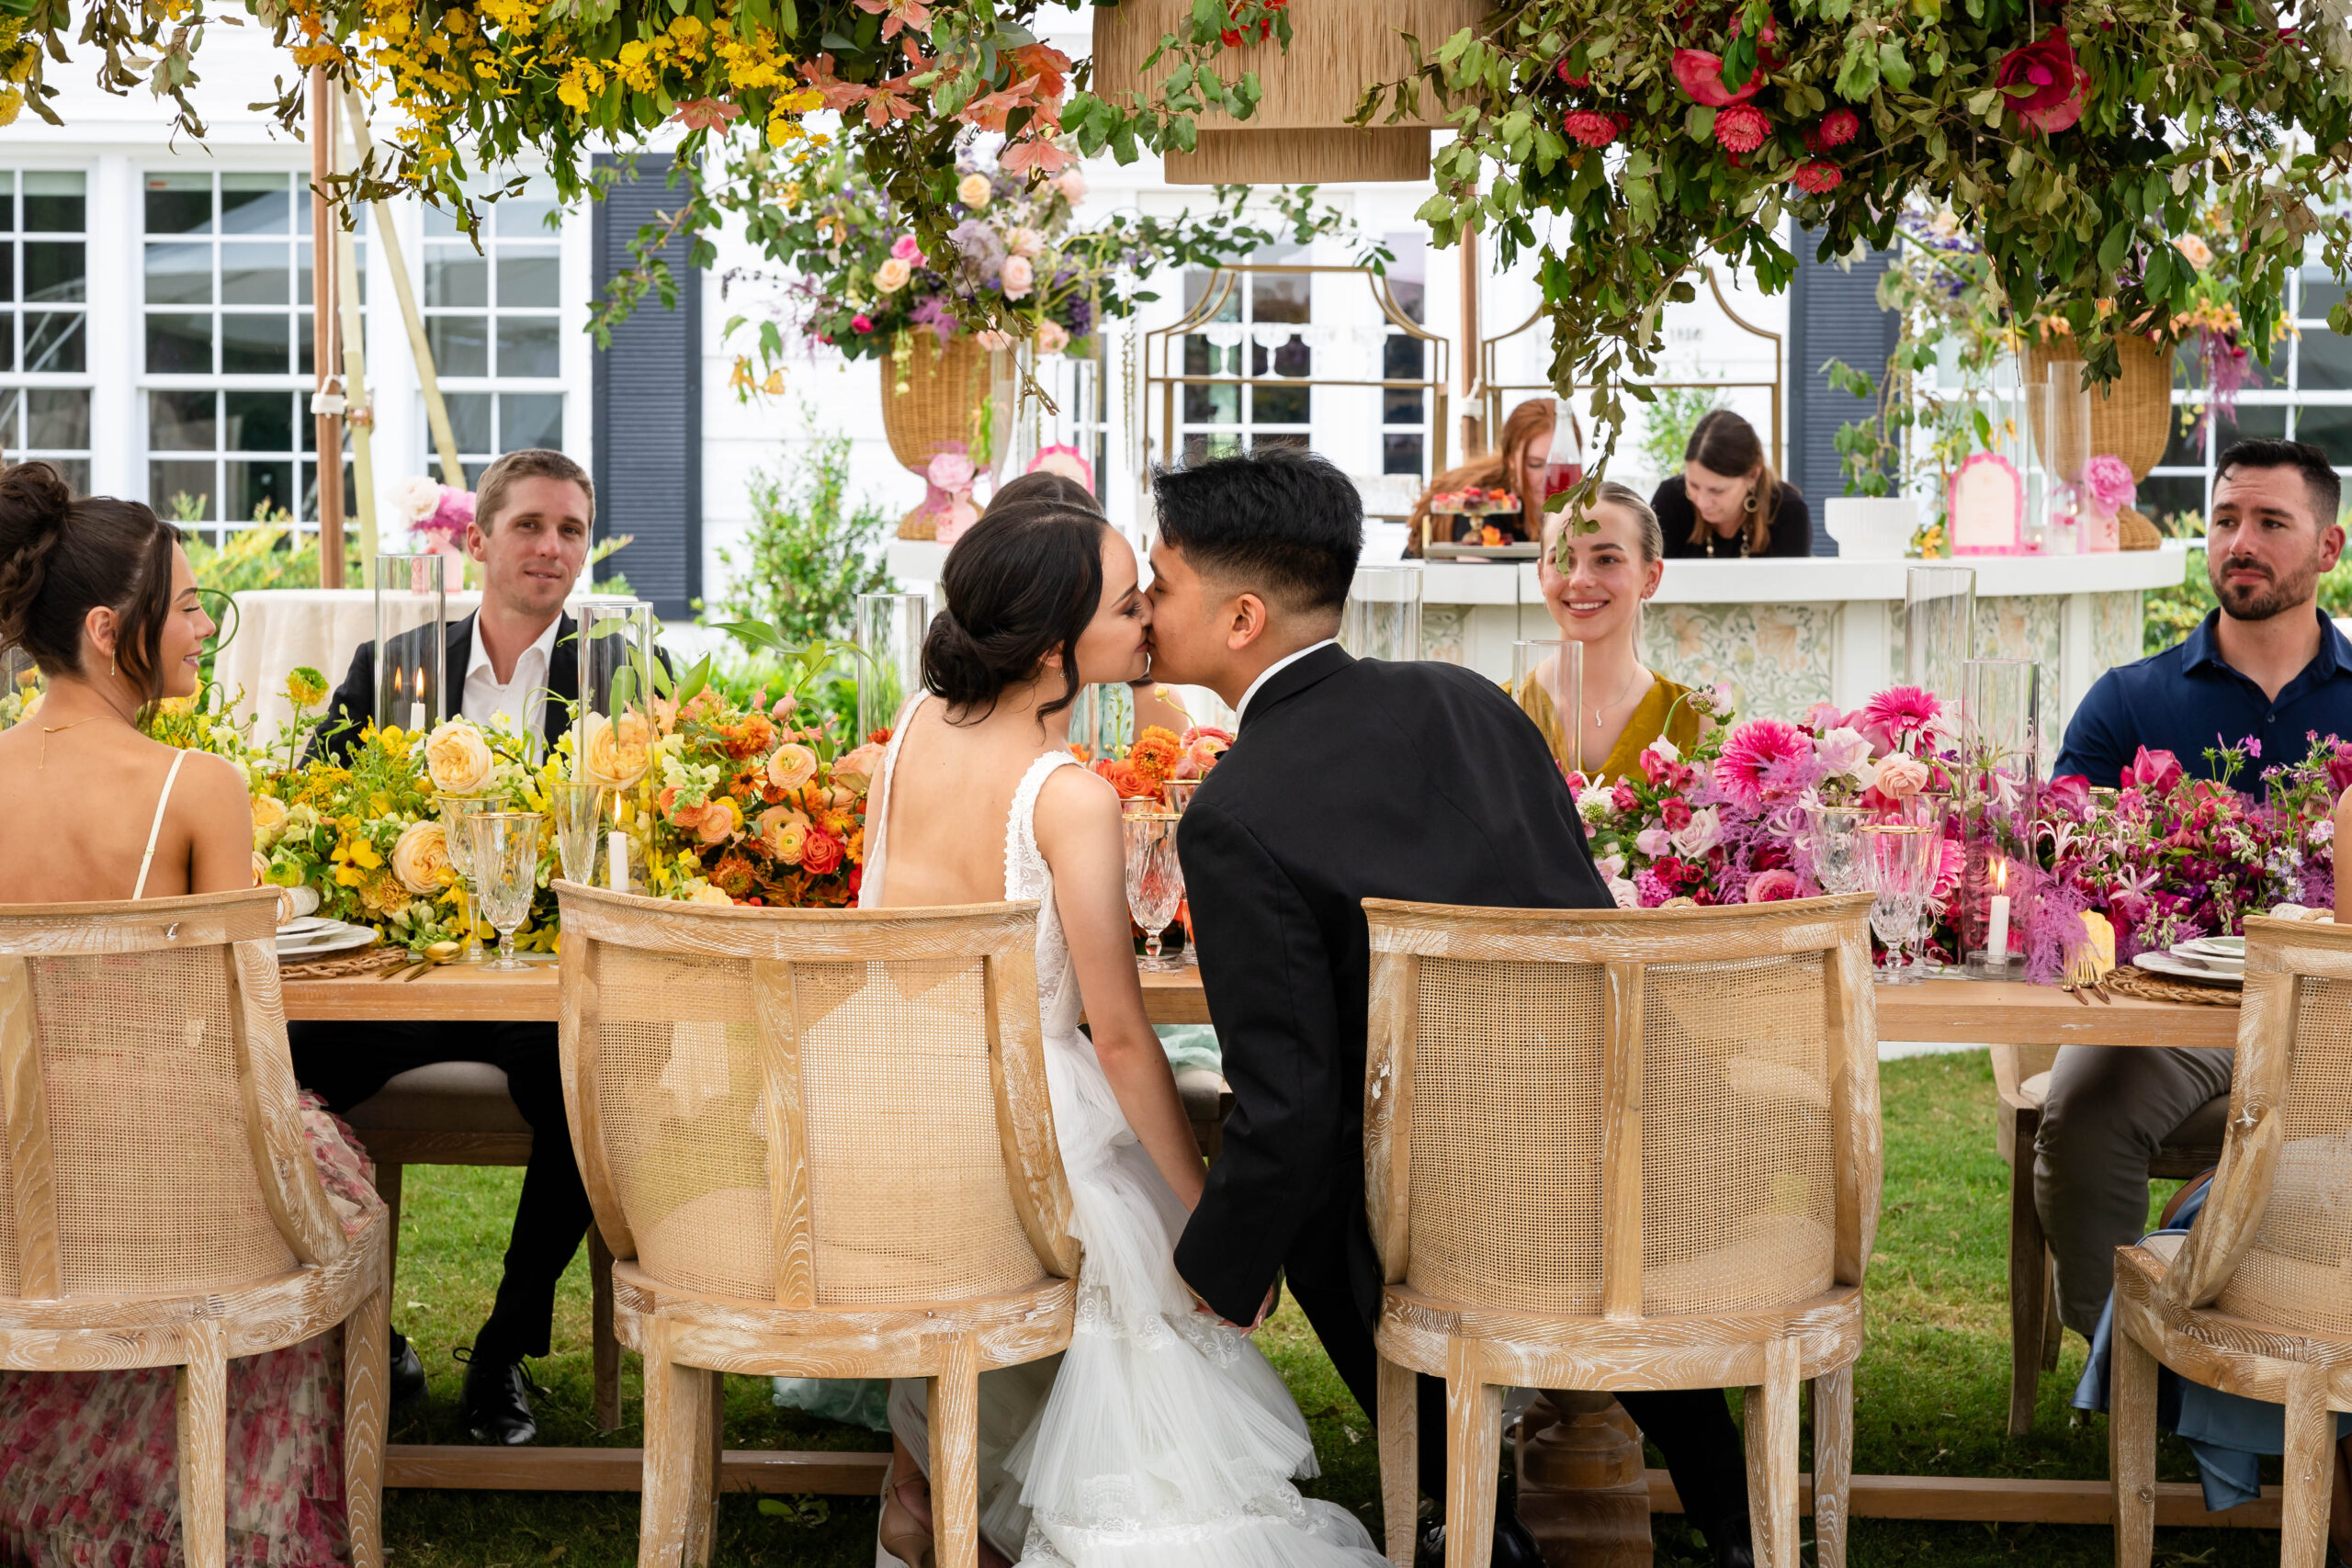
1161 1436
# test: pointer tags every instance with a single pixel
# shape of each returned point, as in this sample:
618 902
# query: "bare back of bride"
1162 1435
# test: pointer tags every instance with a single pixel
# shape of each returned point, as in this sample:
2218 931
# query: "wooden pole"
1474 422
359 412
437 410
326 400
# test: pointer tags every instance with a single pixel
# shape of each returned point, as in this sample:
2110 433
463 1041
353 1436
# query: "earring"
1750 507
113 665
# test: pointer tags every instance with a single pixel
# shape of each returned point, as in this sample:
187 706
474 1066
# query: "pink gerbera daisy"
1751 753
1898 712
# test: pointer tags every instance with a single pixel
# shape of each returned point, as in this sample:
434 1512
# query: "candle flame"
2000 876
398 676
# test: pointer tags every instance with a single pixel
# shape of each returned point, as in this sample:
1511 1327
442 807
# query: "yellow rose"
32 703
791 765
421 859
973 191
615 753
261 867
457 758
707 894
269 820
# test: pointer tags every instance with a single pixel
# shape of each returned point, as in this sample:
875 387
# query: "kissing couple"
1163 1436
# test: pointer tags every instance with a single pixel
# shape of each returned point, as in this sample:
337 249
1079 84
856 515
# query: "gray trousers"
2110 1107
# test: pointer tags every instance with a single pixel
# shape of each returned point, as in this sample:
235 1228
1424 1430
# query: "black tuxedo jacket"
1350 779
356 698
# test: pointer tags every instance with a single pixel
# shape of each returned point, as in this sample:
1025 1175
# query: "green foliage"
810 551
1673 415
2175 108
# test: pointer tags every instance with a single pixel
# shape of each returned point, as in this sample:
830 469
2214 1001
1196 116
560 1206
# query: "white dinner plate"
2214 947
340 938
2180 969
303 925
2198 955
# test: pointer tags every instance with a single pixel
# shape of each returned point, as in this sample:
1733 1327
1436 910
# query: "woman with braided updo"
101 596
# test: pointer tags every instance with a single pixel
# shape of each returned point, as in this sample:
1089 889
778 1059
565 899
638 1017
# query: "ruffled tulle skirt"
1161 1436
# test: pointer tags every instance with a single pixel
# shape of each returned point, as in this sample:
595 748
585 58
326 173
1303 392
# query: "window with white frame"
1404 410
2304 395
1234 397
493 319
44 341
225 346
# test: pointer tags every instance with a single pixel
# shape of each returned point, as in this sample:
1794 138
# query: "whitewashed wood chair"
2257 1299
1616 1151
162 1208
2020 1090
819 1145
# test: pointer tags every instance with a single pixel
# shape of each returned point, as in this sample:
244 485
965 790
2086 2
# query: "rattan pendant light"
1300 133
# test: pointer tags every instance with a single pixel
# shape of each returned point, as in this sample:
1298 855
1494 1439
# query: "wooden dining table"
1951 1012
1981 1012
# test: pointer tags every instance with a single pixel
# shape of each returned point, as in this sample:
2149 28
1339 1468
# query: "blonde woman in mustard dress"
1594 585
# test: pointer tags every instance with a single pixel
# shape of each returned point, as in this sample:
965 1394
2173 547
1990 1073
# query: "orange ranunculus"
784 832
1124 778
792 766
720 820
1155 755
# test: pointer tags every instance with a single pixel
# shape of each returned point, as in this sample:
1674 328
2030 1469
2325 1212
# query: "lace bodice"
1027 876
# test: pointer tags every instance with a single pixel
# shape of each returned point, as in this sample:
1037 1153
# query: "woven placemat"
344 965
2133 981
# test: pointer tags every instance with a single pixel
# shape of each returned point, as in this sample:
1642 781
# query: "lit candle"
416 704
1996 937
616 870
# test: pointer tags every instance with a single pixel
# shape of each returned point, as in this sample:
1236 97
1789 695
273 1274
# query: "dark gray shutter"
649 404
1833 314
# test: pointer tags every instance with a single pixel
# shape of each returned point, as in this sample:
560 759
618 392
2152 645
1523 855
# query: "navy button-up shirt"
2185 700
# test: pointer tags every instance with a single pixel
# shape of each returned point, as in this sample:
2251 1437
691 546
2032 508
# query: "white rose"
421 859
1705 827
973 191
892 275
1846 751
457 758
1626 895
418 497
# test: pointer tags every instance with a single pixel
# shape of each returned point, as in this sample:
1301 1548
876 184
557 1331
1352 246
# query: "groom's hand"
1265 1308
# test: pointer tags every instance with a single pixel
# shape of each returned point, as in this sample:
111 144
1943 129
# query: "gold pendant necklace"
46 730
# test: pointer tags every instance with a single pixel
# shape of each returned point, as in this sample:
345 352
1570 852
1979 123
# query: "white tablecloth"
281 628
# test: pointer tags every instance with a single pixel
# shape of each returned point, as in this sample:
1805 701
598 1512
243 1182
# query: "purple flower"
932 311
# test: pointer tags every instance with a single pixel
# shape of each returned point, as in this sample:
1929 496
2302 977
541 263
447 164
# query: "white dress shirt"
1264 675
522 699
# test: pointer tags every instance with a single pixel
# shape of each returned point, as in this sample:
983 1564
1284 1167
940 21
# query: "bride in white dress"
1162 1436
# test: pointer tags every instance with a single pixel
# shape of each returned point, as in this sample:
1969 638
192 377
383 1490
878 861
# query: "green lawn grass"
1930 1396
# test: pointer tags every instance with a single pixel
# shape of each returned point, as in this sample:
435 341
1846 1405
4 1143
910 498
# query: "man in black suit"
1348 779
512 657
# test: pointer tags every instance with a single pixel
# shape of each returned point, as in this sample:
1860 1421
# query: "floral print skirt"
87 1460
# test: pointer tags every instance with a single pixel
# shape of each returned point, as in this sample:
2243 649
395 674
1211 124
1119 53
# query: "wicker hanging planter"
2131 417
955 396
1300 133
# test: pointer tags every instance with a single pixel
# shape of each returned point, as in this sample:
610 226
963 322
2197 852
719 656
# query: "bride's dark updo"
1024 581
61 558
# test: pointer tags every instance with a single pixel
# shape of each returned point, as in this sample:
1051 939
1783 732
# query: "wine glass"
457 814
1178 793
506 873
1896 860
1930 809
1836 833
1155 882
578 809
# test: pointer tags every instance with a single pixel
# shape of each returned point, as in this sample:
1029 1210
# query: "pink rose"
1019 278
2070 793
1652 841
1072 185
861 323
1700 74
2053 82
1900 776
1772 886
2155 771
951 471
905 248
1051 337
2110 481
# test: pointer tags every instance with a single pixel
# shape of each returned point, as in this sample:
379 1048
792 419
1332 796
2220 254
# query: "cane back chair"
819 1144
162 1207
2020 1090
1614 1151
2257 1299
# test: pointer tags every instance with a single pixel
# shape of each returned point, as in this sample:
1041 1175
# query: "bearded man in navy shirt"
2266 666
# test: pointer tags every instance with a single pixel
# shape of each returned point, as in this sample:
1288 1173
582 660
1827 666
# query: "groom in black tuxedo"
1348 779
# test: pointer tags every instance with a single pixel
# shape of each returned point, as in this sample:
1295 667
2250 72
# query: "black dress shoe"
496 1404
1729 1538
408 1372
1514 1546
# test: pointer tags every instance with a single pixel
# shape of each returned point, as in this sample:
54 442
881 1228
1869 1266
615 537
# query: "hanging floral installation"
1624 142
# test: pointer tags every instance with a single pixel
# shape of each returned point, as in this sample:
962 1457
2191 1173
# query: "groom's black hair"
1280 522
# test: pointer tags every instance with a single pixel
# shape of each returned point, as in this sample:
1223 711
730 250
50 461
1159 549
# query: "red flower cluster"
1817 179
1837 127
1247 16
1569 75
1592 127
1742 127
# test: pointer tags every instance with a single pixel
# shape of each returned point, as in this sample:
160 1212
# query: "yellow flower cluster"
18 57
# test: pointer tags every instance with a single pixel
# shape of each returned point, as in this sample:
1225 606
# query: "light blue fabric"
865 1402
2227 1432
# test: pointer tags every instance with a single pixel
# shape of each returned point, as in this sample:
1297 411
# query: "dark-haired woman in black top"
1728 504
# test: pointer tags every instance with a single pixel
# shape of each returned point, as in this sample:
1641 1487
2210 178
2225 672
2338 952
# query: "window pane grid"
44 337
493 320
